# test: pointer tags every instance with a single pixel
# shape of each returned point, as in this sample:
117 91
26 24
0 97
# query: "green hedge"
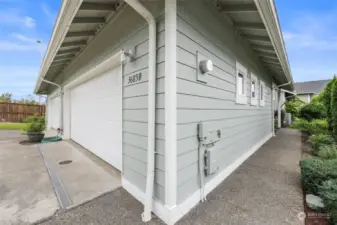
317 141
315 126
315 171
326 100
334 108
327 152
313 110
328 192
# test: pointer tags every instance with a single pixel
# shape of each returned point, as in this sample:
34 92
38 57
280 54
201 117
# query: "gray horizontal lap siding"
242 126
135 121
128 32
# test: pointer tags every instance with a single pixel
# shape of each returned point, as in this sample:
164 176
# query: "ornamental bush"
315 171
36 124
317 126
293 106
334 108
326 100
328 192
317 141
313 110
300 124
327 152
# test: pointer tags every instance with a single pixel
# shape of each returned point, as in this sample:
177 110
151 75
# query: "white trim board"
171 103
172 215
108 64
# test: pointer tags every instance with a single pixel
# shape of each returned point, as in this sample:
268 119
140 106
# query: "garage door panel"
96 116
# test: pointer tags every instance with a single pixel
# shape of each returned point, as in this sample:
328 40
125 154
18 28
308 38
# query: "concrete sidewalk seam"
61 192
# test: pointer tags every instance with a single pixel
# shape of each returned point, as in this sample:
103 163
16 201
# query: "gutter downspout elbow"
145 13
282 85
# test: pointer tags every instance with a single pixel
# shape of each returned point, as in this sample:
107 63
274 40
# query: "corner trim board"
171 215
171 103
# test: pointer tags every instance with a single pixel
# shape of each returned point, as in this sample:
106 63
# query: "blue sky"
310 33
309 28
22 22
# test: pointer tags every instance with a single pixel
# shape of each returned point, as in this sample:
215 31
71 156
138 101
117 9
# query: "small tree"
326 100
333 108
293 106
6 97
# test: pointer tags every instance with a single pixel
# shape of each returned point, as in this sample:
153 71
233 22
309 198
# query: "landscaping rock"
314 202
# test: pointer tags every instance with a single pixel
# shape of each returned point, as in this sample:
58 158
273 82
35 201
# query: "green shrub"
319 140
334 108
293 106
313 110
36 124
326 100
315 171
327 152
317 126
333 216
328 192
301 124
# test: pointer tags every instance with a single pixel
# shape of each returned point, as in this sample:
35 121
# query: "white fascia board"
267 11
66 14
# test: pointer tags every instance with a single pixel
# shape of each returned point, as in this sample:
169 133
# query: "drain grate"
65 162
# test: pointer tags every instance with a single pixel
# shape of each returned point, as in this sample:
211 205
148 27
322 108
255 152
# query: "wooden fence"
16 112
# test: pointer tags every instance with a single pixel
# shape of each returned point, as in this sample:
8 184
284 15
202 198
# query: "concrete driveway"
265 189
26 194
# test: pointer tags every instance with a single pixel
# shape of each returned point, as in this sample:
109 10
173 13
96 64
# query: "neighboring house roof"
310 87
79 21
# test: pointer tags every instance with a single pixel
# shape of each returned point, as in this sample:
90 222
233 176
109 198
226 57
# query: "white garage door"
96 116
54 110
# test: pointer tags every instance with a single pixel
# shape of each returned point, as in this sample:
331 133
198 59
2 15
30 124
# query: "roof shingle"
311 87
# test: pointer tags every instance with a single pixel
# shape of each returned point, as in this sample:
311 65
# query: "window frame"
241 98
253 100
262 94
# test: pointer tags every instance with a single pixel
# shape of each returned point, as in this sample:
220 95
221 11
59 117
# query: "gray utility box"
208 139
211 164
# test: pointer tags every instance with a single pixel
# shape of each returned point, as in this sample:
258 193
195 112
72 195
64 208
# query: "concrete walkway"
26 195
86 177
264 190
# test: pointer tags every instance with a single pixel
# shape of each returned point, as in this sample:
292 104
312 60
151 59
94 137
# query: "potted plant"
35 128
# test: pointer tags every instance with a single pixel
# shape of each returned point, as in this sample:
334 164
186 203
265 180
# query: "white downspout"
61 93
137 6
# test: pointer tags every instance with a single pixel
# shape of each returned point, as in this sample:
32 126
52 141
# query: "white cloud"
313 31
24 38
48 12
6 45
29 22
12 17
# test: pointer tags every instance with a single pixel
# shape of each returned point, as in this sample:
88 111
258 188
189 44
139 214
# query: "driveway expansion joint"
61 192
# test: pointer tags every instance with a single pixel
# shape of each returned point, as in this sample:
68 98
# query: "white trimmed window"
241 80
262 93
253 90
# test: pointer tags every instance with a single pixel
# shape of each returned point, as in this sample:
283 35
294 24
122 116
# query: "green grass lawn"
12 126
